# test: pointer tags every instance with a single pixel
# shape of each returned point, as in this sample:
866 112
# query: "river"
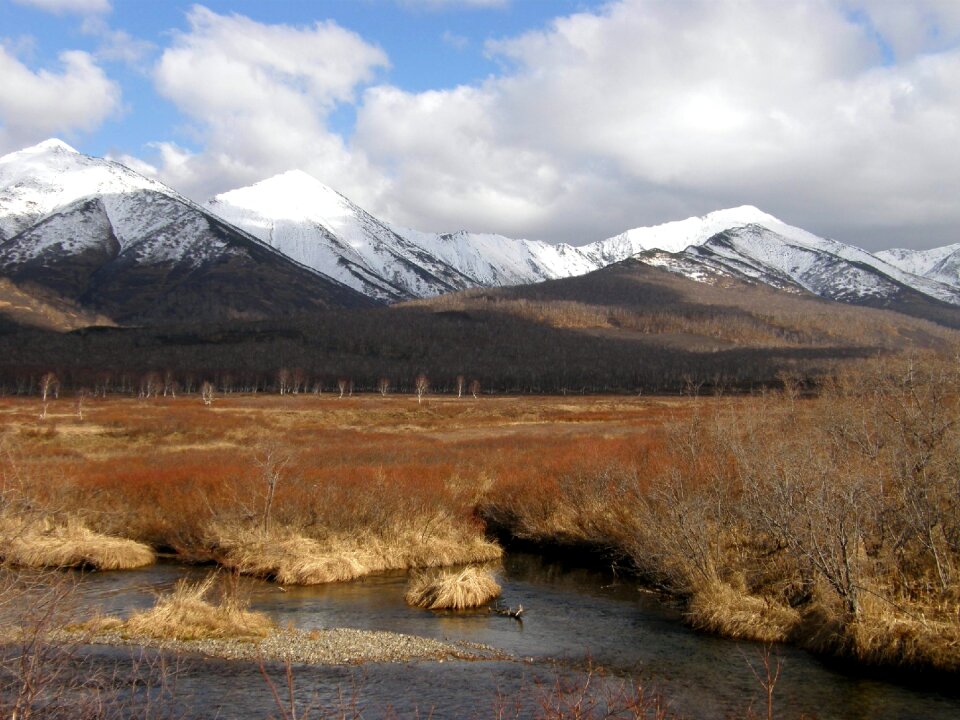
573 618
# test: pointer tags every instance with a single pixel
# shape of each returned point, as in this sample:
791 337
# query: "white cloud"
37 104
910 28
259 97
116 45
69 6
457 42
640 112
650 109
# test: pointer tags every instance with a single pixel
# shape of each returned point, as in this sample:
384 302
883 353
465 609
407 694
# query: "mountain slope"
941 264
130 248
324 230
747 244
320 228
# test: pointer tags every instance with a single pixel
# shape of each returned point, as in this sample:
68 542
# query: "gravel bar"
335 646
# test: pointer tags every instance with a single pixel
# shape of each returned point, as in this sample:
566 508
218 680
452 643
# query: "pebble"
334 646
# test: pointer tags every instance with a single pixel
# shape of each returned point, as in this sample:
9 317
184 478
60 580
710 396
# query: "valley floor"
769 516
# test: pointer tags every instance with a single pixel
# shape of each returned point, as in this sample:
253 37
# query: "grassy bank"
825 516
830 520
301 488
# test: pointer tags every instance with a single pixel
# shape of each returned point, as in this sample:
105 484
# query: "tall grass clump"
470 587
45 544
188 614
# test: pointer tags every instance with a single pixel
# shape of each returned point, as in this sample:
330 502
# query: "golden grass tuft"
470 587
719 608
290 558
186 614
71 545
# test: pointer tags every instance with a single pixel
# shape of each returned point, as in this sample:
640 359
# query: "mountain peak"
51 145
292 195
292 181
742 215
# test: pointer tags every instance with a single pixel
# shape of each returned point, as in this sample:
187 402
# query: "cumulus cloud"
37 104
836 115
259 97
648 110
69 6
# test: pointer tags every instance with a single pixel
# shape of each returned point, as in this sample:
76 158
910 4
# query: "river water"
572 618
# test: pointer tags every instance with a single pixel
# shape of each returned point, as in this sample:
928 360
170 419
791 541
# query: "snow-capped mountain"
320 228
115 241
749 244
128 246
941 264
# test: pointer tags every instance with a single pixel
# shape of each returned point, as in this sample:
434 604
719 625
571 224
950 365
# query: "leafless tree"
383 385
298 380
421 385
461 382
342 384
81 398
272 461
475 388
206 392
49 385
102 383
169 384
150 385
283 380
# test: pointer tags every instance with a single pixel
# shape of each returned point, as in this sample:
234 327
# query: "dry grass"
890 640
186 614
69 545
290 558
470 587
721 609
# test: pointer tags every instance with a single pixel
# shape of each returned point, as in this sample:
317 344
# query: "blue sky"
561 120
429 45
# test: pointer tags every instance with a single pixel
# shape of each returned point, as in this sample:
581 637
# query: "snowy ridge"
56 204
675 236
99 233
491 260
751 244
320 228
941 264
37 180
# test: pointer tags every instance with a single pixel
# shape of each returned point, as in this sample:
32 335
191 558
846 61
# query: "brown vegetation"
833 520
826 515
187 614
68 545
470 587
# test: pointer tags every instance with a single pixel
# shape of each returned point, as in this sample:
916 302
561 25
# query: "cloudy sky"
560 120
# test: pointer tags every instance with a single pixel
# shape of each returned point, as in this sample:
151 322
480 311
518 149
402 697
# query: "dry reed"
70 545
470 587
290 558
186 614
719 608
